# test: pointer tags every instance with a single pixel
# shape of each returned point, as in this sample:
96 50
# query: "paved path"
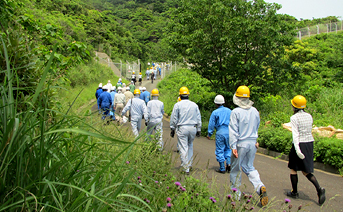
274 174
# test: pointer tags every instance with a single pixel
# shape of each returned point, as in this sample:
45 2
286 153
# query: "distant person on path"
109 85
113 93
147 73
133 78
132 87
137 109
97 95
186 121
301 154
152 77
145 95
119 101
105 102
243 128
140 78
119 84
128 95
155 110
219 120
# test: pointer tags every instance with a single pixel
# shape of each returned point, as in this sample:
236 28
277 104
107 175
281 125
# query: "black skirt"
305 165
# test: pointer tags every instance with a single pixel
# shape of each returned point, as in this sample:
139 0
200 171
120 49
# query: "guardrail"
318 29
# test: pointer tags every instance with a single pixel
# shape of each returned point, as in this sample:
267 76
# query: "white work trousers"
157 127
136 126
185 137
245 162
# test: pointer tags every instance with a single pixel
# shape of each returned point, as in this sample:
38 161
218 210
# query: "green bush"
275 139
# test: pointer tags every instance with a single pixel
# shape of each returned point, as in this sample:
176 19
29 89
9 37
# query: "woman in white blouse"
301 154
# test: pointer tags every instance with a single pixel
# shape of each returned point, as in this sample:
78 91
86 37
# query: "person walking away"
220 120
186 121
147 73
133 78
155 109
97 95
109 85
146 95
152 77
140 78
119 102
138 109
128 96
119 84
105 102
132 87
301 153
243 133
113 93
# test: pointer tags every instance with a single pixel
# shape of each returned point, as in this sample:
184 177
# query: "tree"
232 42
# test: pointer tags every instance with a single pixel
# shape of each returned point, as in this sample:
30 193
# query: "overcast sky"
307 9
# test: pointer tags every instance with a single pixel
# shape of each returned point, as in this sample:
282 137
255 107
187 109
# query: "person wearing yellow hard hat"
133 78
137 109
186 121
155 110
147 73
220 120
243 132
140 78
301 153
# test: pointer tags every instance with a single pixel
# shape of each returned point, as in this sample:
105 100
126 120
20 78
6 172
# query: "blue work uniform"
97 94
113 93
105 103
220 120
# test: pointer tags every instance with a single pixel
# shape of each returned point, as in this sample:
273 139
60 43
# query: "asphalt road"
274 174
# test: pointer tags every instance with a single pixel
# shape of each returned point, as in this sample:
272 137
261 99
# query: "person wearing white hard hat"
109 85
119 83
97 95
220 120
133 77
145 95
132 87
119 101
105 102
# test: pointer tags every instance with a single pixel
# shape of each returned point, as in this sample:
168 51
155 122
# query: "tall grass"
57 163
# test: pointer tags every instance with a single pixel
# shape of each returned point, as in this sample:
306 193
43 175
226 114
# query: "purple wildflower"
177 183
77 170
156 181
127 162
139 177
183 189
211 198
214 201
139 181
233 204
169 205
252 208
167 187
234 189
290 206
250 196
168 199
166 175
229 196
287 200
148 201
248 200
197 194
191 197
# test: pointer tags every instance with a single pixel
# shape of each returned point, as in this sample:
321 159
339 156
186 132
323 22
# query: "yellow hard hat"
147 68
140 73
133 72
184 91
179 99
154 92
243 91
299 102
136 91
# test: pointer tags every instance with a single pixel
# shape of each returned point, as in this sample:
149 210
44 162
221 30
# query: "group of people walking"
236 139
236 133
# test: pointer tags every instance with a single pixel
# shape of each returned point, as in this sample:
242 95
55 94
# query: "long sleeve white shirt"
138 109
185 112
155 110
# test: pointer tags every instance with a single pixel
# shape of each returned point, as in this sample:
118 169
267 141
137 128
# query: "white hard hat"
100 85
120 79
131 82
104 87
113 88
109 81
127 88
219 100
144 88
140 88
